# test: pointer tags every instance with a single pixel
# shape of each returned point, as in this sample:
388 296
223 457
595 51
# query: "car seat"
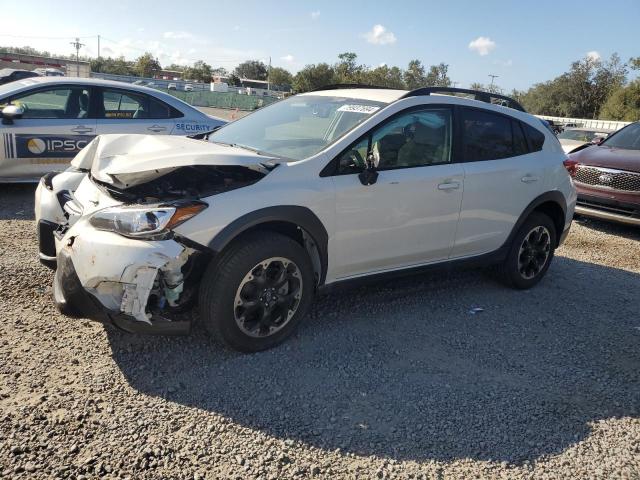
424 147
83 102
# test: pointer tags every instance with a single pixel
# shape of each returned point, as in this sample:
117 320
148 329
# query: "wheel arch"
553 204
296 222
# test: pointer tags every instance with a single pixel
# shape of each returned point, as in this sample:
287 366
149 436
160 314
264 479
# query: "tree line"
591 88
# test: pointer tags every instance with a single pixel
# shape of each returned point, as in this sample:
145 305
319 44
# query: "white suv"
312 192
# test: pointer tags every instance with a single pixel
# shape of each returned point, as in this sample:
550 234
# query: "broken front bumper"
105 277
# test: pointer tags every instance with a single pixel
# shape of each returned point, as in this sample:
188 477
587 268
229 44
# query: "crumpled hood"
128 160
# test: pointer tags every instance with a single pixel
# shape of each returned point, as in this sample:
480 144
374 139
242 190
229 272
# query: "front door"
52 130
409 216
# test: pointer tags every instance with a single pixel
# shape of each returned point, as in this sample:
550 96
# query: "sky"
521 42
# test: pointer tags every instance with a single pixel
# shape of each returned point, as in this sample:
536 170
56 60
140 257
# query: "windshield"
580 135
627 138
297 127
11 86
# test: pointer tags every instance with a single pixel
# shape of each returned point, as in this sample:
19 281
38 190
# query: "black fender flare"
302 217
554 196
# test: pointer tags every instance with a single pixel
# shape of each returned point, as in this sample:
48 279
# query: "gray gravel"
387 381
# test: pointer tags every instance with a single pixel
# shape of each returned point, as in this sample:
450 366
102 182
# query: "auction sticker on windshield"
366 109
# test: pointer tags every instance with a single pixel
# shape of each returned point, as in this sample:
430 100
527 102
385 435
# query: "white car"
572 138
309 193
188 87
46 121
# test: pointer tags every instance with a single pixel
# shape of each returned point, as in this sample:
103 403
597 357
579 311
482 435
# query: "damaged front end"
120 261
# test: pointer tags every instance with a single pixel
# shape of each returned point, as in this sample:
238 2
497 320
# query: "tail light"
571 166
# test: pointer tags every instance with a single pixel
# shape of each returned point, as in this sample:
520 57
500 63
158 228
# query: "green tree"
384 76
146 65
280 77
414 76
252 69
313 76
581 92
623 104
438 76
347 70
199 71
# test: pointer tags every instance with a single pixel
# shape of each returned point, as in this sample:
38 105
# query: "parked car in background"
555 127
8 75
46 121
309 193
573 138
607 177
49 72
188 87
172 86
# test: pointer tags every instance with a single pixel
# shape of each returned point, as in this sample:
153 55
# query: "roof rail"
339 86
483 96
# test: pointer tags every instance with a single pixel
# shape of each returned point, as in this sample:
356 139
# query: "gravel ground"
387 381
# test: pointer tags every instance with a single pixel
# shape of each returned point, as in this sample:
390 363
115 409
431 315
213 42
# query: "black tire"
220 287
522 269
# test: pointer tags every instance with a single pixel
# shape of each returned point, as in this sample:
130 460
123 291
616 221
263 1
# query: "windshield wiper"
237 145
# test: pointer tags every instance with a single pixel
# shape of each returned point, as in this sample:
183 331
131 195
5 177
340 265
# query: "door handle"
529 179
82 129
449 186
156 128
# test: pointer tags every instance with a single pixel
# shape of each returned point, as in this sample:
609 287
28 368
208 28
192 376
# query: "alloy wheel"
268 297
534 252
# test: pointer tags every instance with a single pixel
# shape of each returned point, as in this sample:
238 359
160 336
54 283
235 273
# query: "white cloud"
315 15
593 55
288 58
178 35
482 45
379 35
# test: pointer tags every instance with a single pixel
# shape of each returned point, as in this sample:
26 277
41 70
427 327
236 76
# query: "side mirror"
10 113
597 140
369 175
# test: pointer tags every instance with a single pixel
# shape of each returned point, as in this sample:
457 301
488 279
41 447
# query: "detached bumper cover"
73 300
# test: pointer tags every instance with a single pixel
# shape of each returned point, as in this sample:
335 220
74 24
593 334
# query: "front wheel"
254 296
530 253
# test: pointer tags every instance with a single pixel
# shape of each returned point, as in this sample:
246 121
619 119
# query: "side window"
535 137
486 136
414 139
61 103
119 104
519 140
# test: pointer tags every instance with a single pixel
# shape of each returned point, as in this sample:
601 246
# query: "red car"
607 177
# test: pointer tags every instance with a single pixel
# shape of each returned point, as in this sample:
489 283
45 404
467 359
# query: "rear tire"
256 293
530 253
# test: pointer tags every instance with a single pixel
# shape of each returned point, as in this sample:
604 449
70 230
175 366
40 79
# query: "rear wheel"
530 253
254 296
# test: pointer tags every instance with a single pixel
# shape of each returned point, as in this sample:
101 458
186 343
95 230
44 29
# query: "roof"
374 94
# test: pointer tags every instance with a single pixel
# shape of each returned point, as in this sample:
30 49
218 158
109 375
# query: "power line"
42 38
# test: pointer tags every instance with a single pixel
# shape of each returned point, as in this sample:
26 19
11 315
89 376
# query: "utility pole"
492 78
455 84
269 77
77 46
98 47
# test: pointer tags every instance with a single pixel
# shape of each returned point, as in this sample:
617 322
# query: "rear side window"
486 136
519 140
534 136
122 104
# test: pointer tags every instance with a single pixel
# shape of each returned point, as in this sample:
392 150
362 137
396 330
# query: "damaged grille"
609 178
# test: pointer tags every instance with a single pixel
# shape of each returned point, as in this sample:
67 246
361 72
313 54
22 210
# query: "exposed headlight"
144 222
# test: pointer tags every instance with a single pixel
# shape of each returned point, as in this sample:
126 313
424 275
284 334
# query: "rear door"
126 111
503 173
54 128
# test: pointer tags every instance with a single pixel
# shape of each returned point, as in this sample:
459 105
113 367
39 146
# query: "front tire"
256 293
530 253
